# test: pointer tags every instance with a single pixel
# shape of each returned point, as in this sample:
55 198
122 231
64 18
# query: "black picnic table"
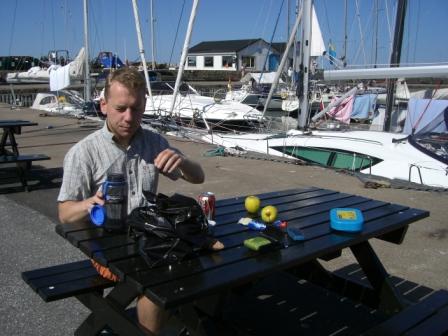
11 127
194 287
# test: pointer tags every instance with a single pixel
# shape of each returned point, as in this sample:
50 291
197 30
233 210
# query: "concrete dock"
28 239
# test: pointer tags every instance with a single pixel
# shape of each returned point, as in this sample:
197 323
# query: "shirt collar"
109 136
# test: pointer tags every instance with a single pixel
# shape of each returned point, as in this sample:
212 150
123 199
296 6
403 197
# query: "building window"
227 61
191 61
248 61
208 61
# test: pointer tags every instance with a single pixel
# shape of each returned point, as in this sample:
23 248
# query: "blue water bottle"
112 214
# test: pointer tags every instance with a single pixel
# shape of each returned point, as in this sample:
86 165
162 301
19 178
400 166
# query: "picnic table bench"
210 292
12 155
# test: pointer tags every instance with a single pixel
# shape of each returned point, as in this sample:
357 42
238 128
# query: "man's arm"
74 211
169 160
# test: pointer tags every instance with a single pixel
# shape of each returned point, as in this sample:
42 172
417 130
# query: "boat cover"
343 111
364 106
426 116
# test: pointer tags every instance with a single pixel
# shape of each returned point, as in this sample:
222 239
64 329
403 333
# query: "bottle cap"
97 215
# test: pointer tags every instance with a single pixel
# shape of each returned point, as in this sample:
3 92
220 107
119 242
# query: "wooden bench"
67 280
23 164
285 304
427 317
72 280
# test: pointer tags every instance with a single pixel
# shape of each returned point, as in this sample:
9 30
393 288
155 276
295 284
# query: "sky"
33 27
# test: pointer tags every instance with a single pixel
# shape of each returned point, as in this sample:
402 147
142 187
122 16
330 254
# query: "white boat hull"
397 160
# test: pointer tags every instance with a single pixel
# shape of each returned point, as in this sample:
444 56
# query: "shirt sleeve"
76 180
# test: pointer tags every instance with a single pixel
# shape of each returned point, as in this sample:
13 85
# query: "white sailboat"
189 106
72 71
253 91
192 108
420 158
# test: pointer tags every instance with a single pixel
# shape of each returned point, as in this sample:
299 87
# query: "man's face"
124 110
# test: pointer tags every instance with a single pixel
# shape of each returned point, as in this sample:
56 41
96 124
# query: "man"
122 145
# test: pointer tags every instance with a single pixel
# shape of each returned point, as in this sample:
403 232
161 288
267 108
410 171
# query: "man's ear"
103 105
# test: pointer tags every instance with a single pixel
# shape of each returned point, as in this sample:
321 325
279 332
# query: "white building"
248 55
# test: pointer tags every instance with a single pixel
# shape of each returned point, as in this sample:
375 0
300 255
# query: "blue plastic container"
97 215
346 219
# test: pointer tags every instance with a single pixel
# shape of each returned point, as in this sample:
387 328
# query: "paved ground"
28 239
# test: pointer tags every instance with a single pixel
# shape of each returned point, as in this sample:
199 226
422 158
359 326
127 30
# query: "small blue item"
346 219
97 215
256 226
295 234
277 223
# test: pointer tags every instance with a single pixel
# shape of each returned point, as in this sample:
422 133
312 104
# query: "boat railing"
418 170
370 163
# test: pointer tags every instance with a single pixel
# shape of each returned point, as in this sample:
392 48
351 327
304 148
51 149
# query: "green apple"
252 204
269 214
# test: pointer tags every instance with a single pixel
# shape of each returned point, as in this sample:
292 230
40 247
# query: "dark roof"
222 46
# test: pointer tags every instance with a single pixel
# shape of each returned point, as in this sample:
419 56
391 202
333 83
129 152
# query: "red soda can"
207 202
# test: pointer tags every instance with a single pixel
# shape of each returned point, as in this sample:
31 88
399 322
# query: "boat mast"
305 65
376 34
87 84
142 51
344 57
294 58
184 53
395 59
152 37
287 18
292 38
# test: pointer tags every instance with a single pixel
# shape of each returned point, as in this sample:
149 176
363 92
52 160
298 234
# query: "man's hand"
175 164
73 211
168 161
95 199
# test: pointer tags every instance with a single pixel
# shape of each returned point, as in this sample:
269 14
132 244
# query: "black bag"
170 229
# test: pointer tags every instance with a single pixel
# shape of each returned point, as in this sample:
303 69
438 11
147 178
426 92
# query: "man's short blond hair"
129 78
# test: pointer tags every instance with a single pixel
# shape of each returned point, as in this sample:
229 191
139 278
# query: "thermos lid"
97 215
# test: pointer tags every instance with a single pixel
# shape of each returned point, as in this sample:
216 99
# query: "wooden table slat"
63 278
78 286
89 247
280 201
294 204
240 199
134 264
47 271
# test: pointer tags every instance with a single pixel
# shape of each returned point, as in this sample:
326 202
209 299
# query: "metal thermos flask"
112 215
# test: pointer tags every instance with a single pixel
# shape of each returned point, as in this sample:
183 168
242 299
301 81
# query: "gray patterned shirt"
87 164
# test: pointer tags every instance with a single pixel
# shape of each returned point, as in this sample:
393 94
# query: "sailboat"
416 158
205 112
187 105
62 101
73 71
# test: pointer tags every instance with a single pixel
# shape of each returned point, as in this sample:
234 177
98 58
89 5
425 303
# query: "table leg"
204 317
3 142
12 140
390 300
110 310
8 133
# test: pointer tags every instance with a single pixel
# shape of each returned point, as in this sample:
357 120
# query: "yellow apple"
252 204
269 213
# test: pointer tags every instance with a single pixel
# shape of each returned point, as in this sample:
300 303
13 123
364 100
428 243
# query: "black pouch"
170 229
